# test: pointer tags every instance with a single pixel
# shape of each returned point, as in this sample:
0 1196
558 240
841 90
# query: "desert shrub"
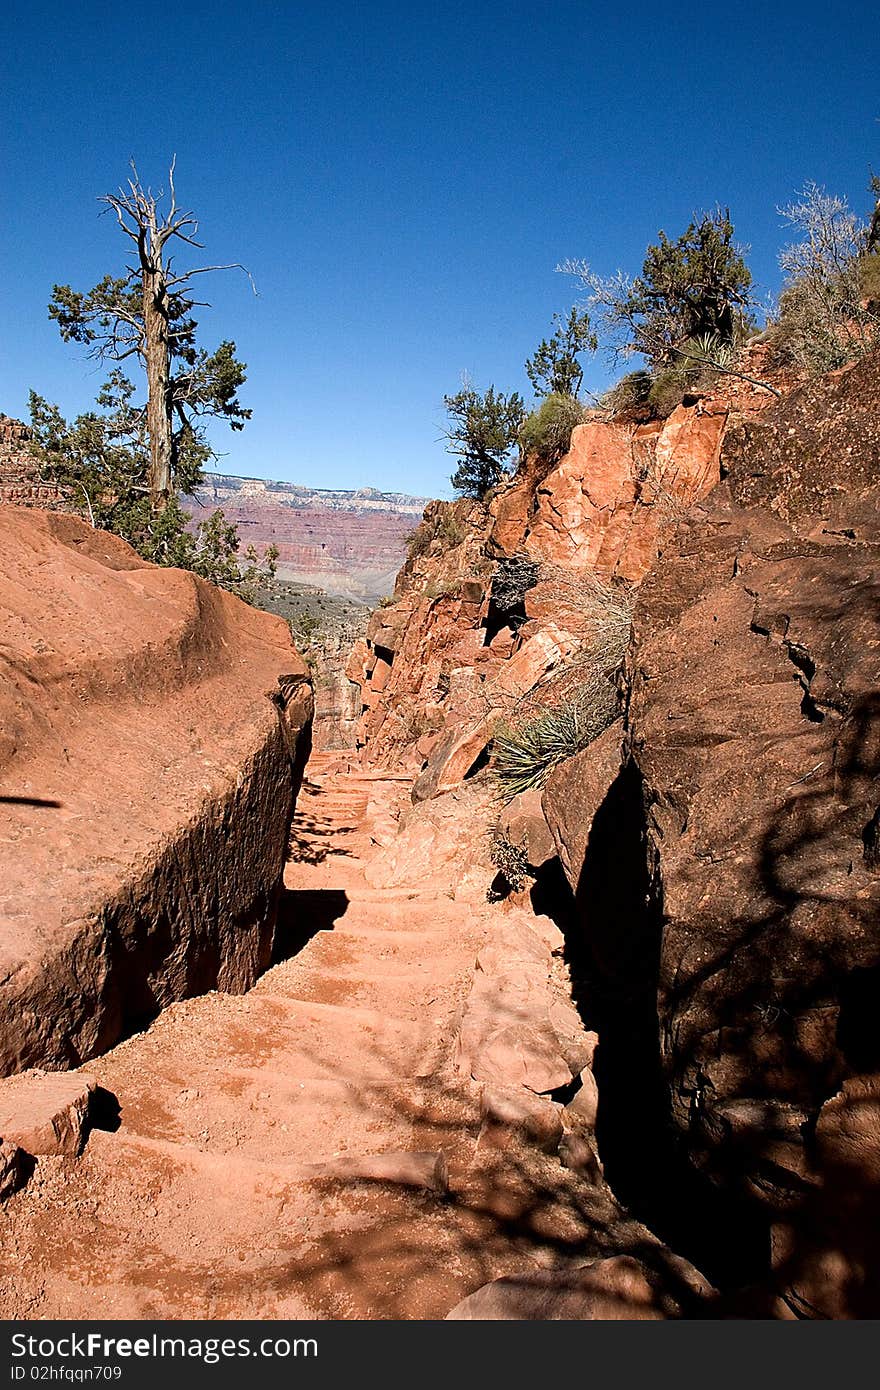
304 627
443 526
823 321
869 279
566 710
510 860
418 542
605 620
526 753
627 394
547 431
450 529
436 589
668 390
694 367
610 609
513 578
387 601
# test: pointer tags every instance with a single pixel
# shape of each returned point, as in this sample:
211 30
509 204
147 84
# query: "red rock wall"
734 833
153 731
437 671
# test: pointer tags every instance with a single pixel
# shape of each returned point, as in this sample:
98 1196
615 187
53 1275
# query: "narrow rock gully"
350 1139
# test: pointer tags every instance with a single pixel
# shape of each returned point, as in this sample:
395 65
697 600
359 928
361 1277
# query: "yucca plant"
526 754
707 349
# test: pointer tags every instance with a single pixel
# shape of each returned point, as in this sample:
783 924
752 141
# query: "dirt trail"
204 1202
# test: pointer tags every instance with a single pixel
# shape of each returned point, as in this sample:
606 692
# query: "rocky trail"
316 1147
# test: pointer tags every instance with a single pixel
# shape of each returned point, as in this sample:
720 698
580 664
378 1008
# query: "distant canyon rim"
351 544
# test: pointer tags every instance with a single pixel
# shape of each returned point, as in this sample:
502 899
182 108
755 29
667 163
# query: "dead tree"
147 314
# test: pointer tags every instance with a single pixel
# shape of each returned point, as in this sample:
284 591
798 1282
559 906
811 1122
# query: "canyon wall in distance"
347 543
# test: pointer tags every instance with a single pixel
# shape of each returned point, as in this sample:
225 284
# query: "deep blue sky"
402 179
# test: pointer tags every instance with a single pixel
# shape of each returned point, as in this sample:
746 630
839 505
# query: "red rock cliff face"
442 666
754 726
735 840
153 731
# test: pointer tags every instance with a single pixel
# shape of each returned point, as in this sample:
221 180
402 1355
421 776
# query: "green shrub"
304 627
526 754
441 525
436 590
449 529
694 368
697 284
546 434
418 542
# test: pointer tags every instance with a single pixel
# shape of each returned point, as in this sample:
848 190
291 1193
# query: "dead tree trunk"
157 357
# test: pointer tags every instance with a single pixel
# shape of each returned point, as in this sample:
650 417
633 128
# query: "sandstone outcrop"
737 843
574 793
446 662
46 1113
620 1288
21 482
154 731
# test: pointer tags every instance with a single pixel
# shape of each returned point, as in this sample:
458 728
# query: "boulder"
357 667
583 1108
512 1112
453 757
46 1112
154 730
618 1289
687 451
436 837
507 1035
379 675
522 1054
573 793
584 499
509 511
387 625
13 1169
522 823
